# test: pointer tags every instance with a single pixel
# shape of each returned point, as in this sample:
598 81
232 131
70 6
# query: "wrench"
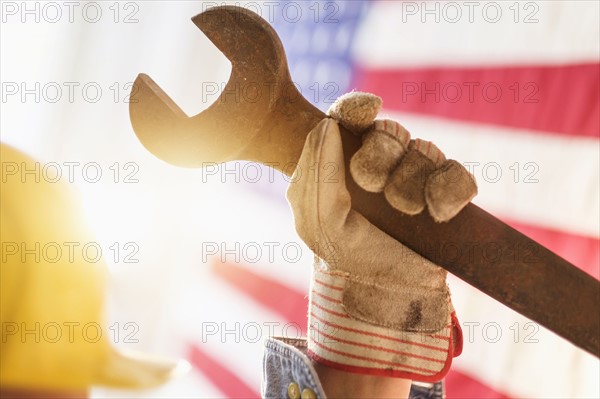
269 124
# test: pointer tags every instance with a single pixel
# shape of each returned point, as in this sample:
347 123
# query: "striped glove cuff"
339 341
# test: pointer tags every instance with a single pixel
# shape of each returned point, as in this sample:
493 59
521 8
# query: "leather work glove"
376 307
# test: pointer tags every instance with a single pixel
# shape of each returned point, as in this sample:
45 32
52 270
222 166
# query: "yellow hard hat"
52 292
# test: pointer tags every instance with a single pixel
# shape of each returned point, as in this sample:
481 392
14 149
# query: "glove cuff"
338 340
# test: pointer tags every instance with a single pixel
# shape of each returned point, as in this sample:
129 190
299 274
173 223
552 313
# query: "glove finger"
448 190
405 190
381 151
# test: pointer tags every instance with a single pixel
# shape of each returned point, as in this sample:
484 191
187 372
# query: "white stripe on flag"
397 33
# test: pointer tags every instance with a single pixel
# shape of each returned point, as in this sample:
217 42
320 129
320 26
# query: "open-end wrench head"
225 130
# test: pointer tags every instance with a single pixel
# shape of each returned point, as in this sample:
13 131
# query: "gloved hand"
376 307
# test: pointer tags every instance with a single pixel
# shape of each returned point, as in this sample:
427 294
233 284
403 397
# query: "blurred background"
205 264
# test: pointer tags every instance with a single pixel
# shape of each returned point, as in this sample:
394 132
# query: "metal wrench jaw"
229 128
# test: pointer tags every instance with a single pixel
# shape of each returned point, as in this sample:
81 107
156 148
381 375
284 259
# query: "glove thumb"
317 193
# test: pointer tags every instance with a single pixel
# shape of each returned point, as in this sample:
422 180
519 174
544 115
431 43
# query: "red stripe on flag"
279 298
563 99
220 375
461 386
583 252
